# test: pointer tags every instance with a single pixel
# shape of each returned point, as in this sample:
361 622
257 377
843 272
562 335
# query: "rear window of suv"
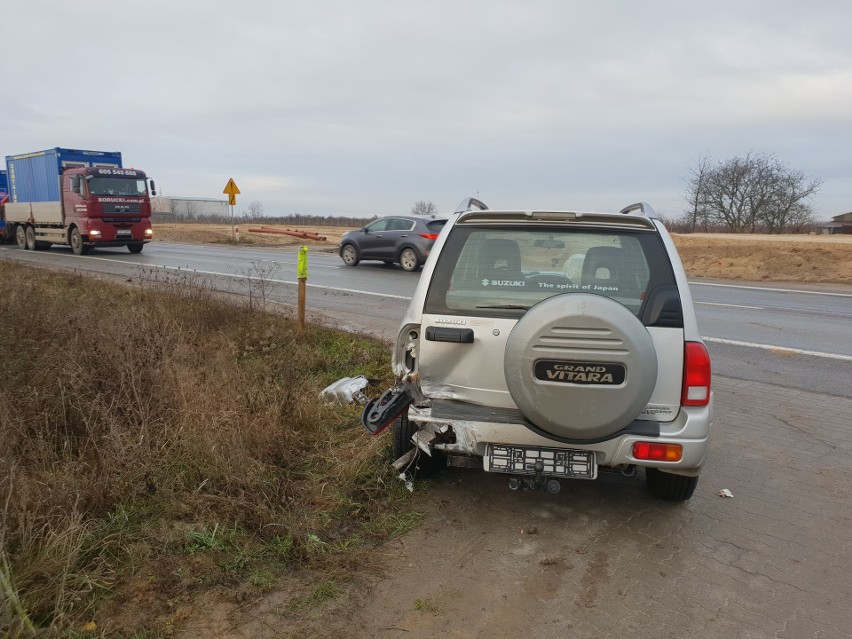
503 271
436 225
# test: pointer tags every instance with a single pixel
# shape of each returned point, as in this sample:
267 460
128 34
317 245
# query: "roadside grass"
158 442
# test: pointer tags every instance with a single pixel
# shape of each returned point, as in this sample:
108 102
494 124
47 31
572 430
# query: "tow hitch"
536 482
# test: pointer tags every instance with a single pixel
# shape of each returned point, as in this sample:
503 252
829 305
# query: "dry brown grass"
156 444
771 258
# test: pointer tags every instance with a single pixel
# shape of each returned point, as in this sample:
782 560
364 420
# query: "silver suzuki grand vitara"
553 344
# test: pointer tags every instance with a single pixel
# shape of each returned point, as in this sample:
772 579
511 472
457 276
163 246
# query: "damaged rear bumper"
473 437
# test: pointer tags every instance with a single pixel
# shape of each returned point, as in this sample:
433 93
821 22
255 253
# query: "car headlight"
149 232
94 233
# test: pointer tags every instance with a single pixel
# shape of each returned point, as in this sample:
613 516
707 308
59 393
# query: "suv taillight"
696 375
429 236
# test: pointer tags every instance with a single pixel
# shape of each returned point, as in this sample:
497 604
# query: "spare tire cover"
580 366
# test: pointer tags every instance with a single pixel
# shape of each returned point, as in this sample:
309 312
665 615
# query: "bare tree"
424 207
751 192
696 187
788 210
254 210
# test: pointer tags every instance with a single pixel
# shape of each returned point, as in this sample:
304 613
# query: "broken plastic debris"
725 493
408 483
405 461
346 390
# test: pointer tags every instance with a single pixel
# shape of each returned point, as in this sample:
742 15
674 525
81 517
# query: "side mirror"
153 187
364 229
75 184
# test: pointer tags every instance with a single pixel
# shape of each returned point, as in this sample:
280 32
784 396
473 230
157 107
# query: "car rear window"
504 271
436 225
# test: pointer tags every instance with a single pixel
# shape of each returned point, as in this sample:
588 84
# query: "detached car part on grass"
552 345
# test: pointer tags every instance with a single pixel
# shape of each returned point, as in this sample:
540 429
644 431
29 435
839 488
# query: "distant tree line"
757 193
253 213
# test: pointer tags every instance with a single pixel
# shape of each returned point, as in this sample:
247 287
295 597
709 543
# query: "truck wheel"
21 237
135 248
76 241
669 486
30 241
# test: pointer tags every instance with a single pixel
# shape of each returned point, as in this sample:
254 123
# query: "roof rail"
646 209
470 204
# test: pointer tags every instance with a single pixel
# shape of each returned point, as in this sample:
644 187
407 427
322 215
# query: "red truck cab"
106 207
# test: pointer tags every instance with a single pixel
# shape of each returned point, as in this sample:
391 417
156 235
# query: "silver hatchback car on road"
550 345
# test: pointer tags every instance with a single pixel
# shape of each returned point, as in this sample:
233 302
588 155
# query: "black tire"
135 248
30 238
21 236
349 255
668 486
76 242
408 259
424 465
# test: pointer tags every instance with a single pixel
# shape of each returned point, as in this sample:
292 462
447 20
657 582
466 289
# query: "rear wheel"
135 248
349 255
76 241
423 465
408 260
21 237
669 486
30 239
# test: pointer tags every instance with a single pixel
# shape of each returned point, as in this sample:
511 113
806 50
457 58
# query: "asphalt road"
602 559
792 336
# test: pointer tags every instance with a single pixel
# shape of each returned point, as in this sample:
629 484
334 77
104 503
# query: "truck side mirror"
153 187
75 184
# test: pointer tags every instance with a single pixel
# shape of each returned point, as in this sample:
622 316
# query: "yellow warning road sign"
231 188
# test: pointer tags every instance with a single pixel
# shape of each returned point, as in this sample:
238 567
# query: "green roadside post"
302 274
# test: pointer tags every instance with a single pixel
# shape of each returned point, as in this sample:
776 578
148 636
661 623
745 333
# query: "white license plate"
123 235
555 462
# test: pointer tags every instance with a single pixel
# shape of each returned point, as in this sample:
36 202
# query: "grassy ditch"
158 444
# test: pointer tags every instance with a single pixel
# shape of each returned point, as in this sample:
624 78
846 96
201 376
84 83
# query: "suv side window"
400 224
378 226
504 271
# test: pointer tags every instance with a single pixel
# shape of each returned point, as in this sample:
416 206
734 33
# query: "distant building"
839 224
187 208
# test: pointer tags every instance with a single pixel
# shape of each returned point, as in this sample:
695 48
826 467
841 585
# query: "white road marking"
772 290
783 349
247 277
755 308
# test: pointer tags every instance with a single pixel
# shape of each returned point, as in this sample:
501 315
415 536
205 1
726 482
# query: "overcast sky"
366 107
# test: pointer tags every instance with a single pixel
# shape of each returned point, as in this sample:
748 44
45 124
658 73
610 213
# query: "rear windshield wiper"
523 307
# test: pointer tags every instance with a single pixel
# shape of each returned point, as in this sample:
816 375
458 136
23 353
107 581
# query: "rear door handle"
444 334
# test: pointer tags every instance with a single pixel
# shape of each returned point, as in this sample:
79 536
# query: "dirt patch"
771 258
224 234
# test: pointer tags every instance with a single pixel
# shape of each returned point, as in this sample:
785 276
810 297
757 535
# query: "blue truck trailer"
79 198
4 193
